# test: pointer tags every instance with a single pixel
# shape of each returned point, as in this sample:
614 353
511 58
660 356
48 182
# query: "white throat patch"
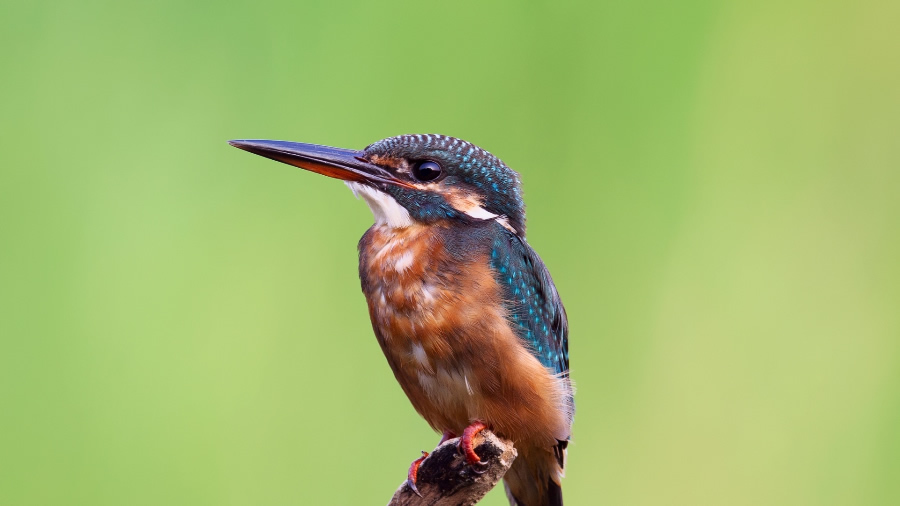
385 209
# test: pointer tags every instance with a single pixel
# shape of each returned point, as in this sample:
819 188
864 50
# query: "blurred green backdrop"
714 186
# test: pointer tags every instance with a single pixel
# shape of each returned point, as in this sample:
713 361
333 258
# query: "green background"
714 186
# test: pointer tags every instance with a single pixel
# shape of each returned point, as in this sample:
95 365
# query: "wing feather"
532 302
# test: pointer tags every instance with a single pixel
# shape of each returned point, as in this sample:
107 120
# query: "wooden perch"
445 480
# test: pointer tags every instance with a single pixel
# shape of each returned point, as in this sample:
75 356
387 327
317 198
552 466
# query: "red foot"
467 446
414 473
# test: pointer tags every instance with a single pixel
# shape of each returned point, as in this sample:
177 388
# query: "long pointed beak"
346 164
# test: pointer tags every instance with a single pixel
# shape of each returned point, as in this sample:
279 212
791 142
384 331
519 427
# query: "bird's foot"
467 447
414 473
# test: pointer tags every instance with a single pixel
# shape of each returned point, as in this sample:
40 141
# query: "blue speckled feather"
532 301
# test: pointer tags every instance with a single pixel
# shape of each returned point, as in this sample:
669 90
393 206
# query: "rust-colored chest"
425 303
438 315
421 297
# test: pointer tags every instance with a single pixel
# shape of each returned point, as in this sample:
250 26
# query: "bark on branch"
445 479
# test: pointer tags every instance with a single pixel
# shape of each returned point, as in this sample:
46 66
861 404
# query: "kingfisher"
463 308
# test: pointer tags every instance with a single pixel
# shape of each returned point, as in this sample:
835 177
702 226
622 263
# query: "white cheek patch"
470 205
481 213
385 209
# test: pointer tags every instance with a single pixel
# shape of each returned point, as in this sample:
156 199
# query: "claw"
414 473
412 486
467 447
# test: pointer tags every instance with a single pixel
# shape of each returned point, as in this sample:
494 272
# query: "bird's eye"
426 170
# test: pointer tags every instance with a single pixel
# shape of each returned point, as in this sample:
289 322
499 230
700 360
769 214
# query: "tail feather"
533 480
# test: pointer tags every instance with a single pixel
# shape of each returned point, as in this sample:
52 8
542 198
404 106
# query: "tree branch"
444 478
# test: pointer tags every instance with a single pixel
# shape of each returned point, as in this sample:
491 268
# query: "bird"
463 308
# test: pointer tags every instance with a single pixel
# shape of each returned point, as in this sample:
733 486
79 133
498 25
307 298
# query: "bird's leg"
413 472
467 446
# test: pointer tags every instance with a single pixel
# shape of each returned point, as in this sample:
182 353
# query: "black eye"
426 170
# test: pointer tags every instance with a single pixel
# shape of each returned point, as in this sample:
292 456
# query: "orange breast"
441 324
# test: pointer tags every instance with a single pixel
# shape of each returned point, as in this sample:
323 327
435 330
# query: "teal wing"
533 304
535 311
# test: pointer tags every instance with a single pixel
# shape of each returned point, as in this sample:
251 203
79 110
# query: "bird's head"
414 178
